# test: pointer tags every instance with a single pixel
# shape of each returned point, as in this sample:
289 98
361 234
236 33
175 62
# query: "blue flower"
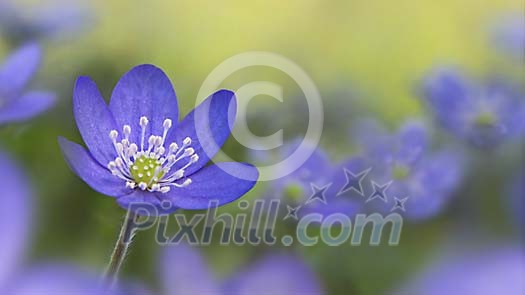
403 169
493 271
15 223
137 152
60 278
21 25
484 115
15 217
314 186
15 73
184 271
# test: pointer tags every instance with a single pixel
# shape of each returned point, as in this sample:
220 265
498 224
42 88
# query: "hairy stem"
121 248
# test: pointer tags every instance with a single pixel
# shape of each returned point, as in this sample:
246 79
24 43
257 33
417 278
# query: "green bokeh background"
381 48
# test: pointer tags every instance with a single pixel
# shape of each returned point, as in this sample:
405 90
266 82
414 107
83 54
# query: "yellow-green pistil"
485 119
400 172
147 170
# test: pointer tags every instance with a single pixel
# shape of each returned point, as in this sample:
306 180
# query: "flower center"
293 192
485 119
151 168
144 168
400 172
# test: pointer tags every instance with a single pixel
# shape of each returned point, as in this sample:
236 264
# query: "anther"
143 121
126 130
167 124
143 186
113 134
173 147
189 152
194 158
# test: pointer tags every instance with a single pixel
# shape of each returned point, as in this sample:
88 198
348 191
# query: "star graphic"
400 204
292 212
379 191
318 193
354 181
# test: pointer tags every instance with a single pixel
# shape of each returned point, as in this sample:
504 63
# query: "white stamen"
113 134
189 152
173 147
127 131
143 121
167 124
140 168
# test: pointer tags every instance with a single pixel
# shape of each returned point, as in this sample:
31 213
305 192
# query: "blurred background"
389 62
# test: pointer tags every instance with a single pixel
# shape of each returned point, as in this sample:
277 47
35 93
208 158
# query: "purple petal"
184 271
412 142
96 176
447 91
208 126
432 184
213 183
15 213
374 140
314 170
275 274
61 279
26 107
94 120
144 91
497 271
18 69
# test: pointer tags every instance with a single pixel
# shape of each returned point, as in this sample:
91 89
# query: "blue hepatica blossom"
14 217
138 152
15 221
15 73
20 24
485 115
405 175
313 187
496 271
184 271
56 278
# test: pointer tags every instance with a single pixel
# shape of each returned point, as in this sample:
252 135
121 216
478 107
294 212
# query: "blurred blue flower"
484 115
405 174
313 187
489 272
15 224
184 271
149 161
22 24
15 73
56 278
508 35
15 217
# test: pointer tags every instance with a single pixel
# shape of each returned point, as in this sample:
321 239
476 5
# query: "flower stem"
121 248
